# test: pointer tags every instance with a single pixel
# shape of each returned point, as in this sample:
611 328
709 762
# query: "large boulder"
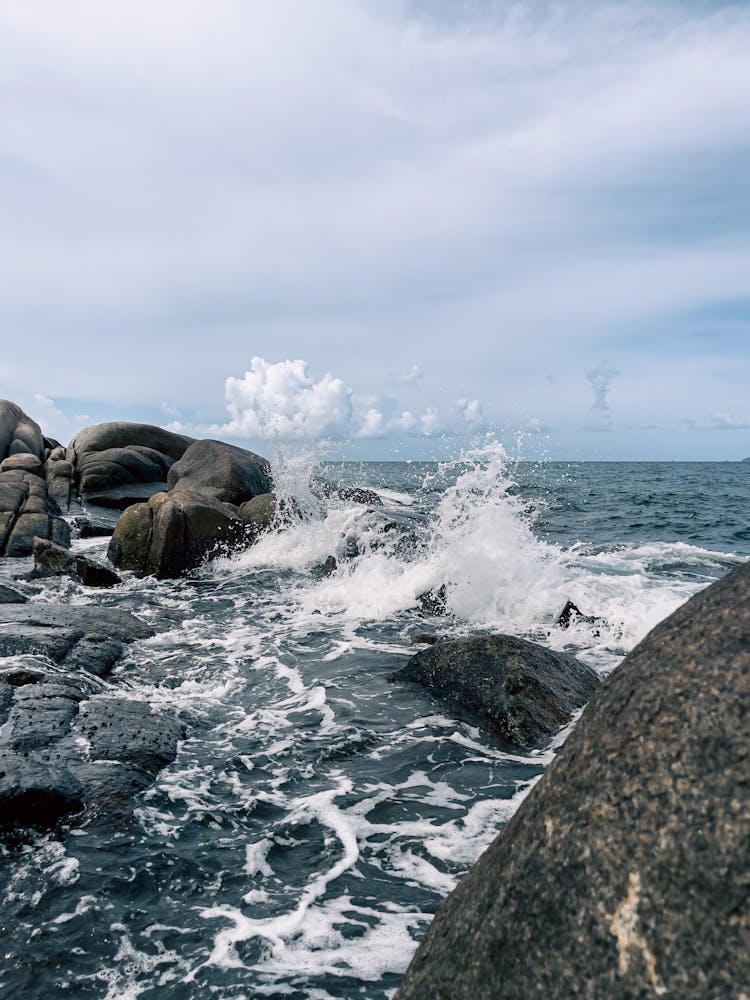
625 872
522 691
19 434
116 464
27 511
173 533
222 471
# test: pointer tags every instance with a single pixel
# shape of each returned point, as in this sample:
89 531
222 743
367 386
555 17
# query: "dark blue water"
316 815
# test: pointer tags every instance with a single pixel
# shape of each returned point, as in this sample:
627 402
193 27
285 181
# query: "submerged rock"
624 873
53 560
173 533
10 596
222 471
522 691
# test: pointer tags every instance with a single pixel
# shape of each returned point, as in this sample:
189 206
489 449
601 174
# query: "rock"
26 511
624 873
53 560
173 533
222 471
356 494
260 513
65 743
19 434
65 749
24 462
522 691
434 602
327 568
424 639
571 614
10 596
120 463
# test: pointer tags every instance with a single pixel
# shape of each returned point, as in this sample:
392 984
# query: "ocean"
317 814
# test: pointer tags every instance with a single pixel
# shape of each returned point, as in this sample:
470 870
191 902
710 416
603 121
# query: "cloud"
728 421
470 411
600 380
411 377
282 400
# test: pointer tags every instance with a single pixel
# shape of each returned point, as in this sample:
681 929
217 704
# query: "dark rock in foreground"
523 691
54 560
173 533
222 471
626 871
67 744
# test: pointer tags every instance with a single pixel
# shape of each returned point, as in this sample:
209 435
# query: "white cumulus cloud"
283 400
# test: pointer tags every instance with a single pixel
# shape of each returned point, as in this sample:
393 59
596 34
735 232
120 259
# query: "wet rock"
355 494
327 568
10 596
624 873
66 743
221 471
571 614
53 560
523 692
19 434
27 511
173 533
424 639
434 602
72 636
260 514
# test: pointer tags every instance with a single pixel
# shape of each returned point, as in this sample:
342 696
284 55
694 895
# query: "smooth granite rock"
524 692
19 434
173 533
222 471
626 872
27 511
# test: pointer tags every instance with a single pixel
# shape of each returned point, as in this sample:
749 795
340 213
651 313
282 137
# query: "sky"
396 225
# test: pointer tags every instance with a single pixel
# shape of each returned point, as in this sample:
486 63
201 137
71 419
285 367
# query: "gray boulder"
27 511
24 462
173 533
259 514
53 560
116 464
222 471
522 691
18 432
624 873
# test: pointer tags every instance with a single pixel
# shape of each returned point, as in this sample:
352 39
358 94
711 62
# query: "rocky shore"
623 874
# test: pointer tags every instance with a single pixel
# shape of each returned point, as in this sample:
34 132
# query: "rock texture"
53 560
173 533
19 434
626 871
222 471
116 464
27 511
66 743
522 691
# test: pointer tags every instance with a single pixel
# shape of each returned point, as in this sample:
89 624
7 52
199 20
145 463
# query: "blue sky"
396 224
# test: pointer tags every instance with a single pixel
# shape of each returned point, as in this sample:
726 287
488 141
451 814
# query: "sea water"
317 814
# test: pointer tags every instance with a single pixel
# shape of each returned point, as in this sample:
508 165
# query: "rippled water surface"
317 814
